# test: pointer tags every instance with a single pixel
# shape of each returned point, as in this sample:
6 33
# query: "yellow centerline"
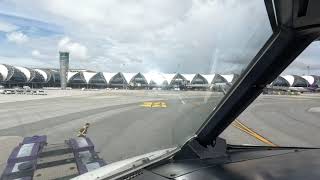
254 134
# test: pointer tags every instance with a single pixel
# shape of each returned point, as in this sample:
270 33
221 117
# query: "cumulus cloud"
7 27
190 36
17 37
302 68
306 62
36 53
24 61
77 50
125 14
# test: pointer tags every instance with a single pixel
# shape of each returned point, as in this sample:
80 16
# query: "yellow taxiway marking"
249 131
158 104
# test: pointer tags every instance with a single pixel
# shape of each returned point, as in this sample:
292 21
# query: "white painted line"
182 101
314 109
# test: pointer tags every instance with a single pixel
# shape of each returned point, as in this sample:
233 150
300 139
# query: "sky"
186 36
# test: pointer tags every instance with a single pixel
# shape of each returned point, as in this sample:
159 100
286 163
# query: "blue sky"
188 36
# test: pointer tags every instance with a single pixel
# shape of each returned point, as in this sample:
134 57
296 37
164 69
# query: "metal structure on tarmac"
35 159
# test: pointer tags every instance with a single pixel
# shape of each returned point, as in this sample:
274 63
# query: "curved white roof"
208 77
158 78
42 73
25 71
88 75
107 76
148 77
310 79
228 77
71 74
289 78
189 77
128 76
168 77
4 71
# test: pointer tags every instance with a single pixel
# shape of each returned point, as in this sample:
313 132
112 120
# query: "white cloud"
121 14
77 50
7 27
17 37
306 61
190 36
24 61
36 53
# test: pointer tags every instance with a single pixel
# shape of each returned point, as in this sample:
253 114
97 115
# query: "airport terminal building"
12 76
297 81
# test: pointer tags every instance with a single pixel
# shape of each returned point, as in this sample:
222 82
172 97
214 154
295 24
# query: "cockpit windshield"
144 74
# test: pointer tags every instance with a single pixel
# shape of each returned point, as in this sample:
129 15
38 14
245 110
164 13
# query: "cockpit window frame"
286 43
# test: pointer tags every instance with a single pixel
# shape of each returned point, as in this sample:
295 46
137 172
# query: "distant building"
80 78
